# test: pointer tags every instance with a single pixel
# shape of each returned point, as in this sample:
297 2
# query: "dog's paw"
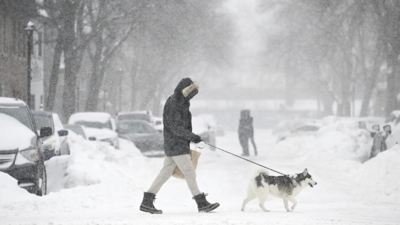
288 210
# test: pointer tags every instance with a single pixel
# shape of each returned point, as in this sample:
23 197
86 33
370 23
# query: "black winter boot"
147 204
203 205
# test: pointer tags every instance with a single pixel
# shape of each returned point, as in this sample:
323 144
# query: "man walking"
177 137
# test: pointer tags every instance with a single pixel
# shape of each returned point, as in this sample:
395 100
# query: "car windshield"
140 128
20 113
144 117
93 124
42 121
77 130
390 118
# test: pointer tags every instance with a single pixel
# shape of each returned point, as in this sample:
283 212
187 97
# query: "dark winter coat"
246 124
178 120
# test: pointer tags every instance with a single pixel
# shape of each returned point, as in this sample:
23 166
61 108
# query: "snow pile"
10 192
338 138
381 176
89 163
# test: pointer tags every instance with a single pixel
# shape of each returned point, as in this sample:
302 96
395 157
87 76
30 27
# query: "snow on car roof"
89 116
396 113
5 100
135 112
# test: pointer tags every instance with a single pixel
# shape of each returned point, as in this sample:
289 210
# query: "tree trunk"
391 98
69 60
370 84
96 78
55 70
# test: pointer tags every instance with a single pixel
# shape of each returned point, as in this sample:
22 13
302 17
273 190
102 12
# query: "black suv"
21 155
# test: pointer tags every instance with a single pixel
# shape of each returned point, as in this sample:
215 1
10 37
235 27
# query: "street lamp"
30 27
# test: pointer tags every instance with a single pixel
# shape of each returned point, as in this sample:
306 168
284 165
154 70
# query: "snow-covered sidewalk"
100 185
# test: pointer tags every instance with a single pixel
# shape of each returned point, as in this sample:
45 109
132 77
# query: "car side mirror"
45 132
376 127
92 138
387 128
62 133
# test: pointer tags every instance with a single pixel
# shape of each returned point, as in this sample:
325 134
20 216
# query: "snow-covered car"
145 137
394 121
56 143
213 124
203 129
371 124
97 124
21 154
79 130
298 131
145 115
159 125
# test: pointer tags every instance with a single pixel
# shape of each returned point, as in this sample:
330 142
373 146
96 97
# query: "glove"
197 139
200 145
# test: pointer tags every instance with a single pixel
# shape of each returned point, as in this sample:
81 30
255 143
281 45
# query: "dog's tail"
261 171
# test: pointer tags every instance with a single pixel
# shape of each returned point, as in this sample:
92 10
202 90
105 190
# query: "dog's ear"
305 172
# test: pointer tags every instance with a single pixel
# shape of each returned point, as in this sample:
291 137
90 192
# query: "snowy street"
106 187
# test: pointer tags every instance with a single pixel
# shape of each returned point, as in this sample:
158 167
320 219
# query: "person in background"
246 132
177 137
379 141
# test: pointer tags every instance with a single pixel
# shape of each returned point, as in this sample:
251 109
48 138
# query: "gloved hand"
200 145
197 139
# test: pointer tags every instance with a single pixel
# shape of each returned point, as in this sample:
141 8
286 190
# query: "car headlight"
49 146
30 154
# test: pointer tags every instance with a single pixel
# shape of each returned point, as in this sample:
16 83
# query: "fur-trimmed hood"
186 89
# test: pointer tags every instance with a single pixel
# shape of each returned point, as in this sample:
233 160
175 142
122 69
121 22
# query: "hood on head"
186 89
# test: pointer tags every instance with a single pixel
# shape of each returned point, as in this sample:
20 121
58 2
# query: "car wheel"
41 180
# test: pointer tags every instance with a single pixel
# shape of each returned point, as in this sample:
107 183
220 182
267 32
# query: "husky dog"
285 187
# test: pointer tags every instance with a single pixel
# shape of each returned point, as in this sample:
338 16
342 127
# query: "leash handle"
245 159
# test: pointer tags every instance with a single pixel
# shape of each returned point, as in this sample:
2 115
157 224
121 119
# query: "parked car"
213 124
203 129
371 124
145 115
79 130
145 137
159 124
21 154
300 130
56 143
97 124
394 121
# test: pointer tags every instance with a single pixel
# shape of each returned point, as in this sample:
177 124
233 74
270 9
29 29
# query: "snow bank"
89 163
10 192
338 138
381 175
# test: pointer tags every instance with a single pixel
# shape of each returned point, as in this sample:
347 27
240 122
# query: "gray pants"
185 164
